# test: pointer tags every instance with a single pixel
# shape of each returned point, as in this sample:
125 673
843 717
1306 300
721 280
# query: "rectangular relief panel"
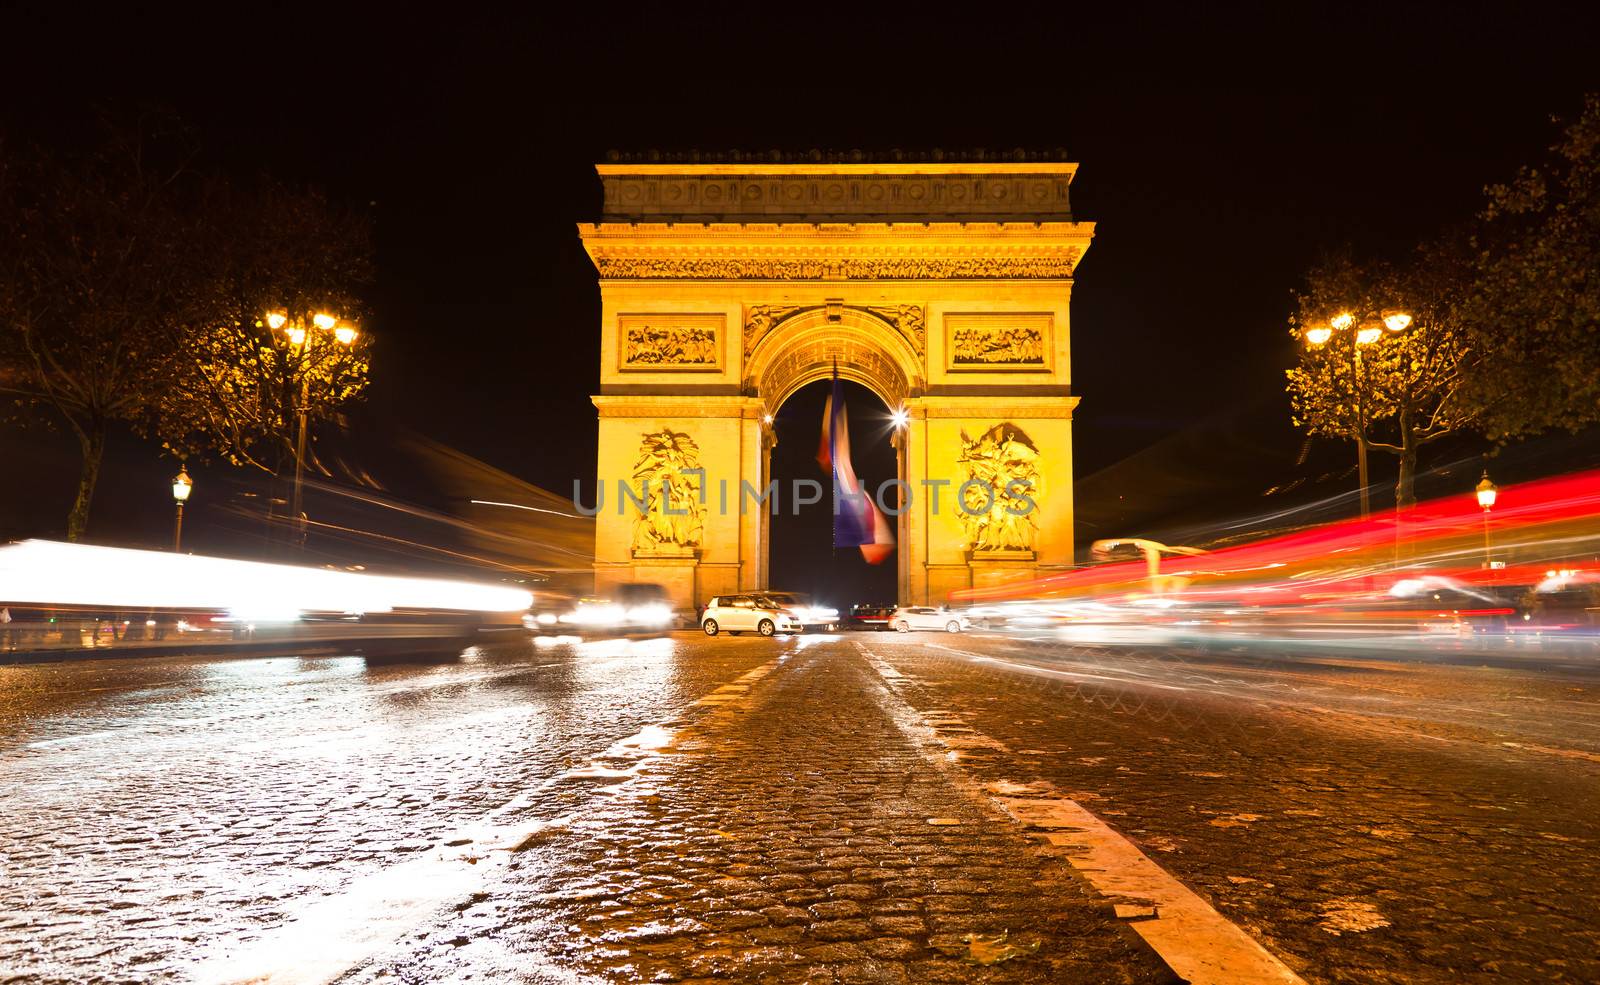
670 342
998 341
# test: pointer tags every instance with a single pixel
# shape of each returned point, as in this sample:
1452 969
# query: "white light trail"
49 573
530 509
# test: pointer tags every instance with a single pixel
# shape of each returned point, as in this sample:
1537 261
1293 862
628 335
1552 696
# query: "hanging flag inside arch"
857 521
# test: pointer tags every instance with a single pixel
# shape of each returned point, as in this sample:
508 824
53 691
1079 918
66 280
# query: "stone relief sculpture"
910 319
673 516
1000 496
651 346
1018 345
760 319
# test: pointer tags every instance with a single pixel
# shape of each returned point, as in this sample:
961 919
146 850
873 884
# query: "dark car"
873 617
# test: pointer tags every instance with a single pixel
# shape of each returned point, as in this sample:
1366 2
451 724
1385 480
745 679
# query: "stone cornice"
678 405
1020 408
1064 169
701 234
836 251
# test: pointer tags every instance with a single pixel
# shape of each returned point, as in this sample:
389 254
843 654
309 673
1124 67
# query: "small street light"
181 487
1487 494
1368 333
900 418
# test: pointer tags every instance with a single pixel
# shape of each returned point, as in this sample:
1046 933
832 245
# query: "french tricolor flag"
857 521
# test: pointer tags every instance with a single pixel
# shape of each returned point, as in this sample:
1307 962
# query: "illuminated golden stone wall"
944 288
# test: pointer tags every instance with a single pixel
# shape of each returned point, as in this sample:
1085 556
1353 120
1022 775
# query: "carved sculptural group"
1000 495
672 515
1019 345
648 345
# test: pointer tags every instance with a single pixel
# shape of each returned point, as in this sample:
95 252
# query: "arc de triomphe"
942 287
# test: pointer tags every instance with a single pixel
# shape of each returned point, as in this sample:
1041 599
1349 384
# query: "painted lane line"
1197 943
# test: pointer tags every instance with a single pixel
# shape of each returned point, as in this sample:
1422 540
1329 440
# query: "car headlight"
650 615
597 615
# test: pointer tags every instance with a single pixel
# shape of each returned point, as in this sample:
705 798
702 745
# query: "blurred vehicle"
645 605
870 617
1520 566
641 607
801 610
919 617
735 614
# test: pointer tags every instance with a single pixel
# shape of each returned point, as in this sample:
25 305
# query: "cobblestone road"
1371 820
776 810
798 834
152 806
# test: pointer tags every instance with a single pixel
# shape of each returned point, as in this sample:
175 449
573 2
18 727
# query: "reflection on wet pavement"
809 809
797 832
156 805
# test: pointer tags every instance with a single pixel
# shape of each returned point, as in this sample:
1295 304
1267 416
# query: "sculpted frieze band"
885 268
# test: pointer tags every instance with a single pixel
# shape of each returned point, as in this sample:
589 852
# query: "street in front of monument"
820 808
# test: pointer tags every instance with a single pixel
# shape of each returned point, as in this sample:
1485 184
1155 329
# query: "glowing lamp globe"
1396 321
1487 493
181 485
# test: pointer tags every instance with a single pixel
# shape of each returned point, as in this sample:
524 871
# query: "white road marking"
1196 941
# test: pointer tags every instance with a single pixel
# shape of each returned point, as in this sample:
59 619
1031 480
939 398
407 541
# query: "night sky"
1219 154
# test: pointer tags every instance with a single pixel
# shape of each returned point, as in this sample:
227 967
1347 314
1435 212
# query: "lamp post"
307 344
181 486
1369 332
1487 494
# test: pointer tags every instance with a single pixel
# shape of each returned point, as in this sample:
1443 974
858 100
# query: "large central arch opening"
875 351
803 558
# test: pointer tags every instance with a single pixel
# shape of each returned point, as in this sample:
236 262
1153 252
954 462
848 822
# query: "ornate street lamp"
1368 333
303 340
181 487
1487 494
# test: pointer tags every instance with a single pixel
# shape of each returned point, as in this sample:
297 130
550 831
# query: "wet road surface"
773 810
1369 819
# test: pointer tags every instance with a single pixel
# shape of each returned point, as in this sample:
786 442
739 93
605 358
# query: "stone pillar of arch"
942 288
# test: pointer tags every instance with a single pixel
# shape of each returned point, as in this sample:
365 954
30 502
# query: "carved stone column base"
996 567
673 568
665 551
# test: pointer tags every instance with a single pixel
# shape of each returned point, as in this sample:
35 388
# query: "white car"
800 609
909 617
735 614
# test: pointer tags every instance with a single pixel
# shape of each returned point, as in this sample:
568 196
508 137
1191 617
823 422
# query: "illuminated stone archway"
806 345
943 288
